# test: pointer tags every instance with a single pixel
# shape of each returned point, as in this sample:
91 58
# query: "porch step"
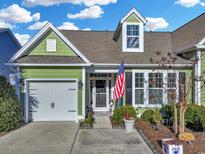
102 121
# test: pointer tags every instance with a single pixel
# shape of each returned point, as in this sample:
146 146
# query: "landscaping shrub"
151 116
11 111
147 115
6 90
120 112
90 119
195 117
11 114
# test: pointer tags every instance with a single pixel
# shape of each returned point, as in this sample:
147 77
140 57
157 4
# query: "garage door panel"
52 101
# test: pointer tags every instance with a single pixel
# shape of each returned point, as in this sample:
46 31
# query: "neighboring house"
8 47
64 71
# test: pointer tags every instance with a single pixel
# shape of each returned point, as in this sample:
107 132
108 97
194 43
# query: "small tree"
185 86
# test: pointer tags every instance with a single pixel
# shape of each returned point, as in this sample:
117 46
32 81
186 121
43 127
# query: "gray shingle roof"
99 47
189 34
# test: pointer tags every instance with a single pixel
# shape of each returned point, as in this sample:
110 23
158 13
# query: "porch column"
197 74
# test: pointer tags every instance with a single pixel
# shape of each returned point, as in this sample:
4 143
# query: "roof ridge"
189 22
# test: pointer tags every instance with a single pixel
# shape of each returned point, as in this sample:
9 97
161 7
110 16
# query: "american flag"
119 89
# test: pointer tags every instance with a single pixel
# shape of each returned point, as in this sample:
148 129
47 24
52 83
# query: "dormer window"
133 36
130 32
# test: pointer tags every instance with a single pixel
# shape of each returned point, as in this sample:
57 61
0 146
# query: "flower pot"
129 125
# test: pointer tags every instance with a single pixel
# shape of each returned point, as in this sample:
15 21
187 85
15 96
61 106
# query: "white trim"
124 38
146 87
143 19
197 76
32 64
140 65
26 93
41 33
83 90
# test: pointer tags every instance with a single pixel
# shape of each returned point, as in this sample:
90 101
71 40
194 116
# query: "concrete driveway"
109 141
40 138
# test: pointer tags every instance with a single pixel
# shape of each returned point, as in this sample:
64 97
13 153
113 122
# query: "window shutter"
128 77
182 86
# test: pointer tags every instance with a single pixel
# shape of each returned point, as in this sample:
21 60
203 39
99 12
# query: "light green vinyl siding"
61 48
55 72
133 19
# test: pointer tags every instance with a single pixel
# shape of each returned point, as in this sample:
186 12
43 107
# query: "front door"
101 95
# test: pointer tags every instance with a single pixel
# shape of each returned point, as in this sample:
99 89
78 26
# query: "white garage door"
53 101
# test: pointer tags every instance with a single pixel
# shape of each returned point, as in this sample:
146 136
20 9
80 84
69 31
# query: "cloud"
98 2
36 16
156 23
37 25
188 3
68 26
86 29
6 25
46 3
92 12
22 38
16 14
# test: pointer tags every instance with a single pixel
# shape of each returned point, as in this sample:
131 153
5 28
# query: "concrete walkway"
109 141
102 120
40 138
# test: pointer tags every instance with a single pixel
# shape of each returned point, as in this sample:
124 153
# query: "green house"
60 73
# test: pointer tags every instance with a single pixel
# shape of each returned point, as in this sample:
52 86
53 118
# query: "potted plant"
129 122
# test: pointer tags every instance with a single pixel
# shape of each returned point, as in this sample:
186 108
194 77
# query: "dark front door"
101 95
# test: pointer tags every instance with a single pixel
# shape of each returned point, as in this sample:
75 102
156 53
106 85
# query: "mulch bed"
153 137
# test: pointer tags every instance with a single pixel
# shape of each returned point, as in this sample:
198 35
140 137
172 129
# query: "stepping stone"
102 121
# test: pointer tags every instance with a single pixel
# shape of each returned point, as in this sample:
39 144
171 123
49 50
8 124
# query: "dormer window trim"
124 37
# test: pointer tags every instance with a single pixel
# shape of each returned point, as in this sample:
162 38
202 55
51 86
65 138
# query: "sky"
26 17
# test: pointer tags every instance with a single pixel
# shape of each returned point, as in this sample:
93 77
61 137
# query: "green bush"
168 111
195 117
6 90
90 119
151 116
11 114
120 112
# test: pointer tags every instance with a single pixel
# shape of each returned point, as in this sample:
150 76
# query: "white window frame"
146 87
139 88
141 37
48 48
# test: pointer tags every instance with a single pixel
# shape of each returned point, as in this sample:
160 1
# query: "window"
139 88
171 87
132 36
155 88
51 45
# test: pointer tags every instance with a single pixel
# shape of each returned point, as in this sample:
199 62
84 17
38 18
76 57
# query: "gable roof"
39 35
7 30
